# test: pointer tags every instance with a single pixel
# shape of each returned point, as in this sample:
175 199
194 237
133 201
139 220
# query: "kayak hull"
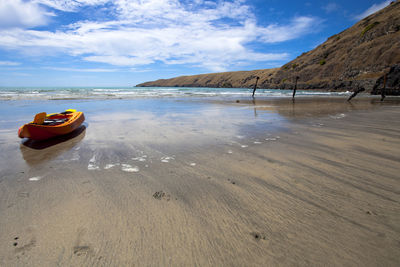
41 132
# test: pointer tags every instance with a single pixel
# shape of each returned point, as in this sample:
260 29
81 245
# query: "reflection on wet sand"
315 107
36 152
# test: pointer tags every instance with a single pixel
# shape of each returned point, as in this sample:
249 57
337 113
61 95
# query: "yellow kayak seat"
39 118
65 112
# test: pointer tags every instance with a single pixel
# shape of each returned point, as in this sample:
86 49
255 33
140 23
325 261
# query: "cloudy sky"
125 42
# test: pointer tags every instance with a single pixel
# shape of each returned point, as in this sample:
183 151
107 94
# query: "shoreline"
205 182
89 93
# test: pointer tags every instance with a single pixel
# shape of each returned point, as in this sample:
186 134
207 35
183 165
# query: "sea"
75 93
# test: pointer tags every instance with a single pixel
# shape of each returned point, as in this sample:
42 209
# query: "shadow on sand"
37 152
42 144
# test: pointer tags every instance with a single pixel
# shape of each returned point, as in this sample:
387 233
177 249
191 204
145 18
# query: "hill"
354 58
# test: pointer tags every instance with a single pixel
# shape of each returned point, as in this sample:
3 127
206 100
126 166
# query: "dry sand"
205 183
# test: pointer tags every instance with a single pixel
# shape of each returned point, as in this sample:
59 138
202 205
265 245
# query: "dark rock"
392 82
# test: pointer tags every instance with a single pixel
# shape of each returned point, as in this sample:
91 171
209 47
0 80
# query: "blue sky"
125 42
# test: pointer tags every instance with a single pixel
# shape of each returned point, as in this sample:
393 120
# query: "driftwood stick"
295 87
384 88
255 86
356 92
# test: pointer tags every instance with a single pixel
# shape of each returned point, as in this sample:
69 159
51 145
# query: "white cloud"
374 8
279 33
120 60
18 13
82 70
206 34
9 63
21 74
330 7
70 5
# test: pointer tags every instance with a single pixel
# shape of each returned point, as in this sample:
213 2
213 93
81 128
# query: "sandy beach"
204 182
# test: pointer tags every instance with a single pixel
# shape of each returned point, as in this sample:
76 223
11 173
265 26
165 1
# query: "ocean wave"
140 92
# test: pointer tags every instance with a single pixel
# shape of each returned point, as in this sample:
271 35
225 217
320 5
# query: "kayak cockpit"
45 126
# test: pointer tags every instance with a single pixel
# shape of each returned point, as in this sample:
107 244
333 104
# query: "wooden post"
255 86
295 87
384 88
356 92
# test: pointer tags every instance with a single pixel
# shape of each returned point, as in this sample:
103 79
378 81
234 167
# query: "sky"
106 43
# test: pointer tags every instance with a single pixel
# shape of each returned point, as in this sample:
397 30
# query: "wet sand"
183 182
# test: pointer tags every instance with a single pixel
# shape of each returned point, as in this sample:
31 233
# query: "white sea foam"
167 159
136 92
36 178
92 164
141 158
129 168
75 156
338 116
109 166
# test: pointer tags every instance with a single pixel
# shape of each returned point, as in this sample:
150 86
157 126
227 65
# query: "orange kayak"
47 126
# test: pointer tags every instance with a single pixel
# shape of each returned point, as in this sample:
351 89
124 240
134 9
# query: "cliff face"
354 58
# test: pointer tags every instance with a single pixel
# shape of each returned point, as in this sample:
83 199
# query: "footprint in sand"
160 195
231 181
25 242
82 250
79 249
25 246
258 236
